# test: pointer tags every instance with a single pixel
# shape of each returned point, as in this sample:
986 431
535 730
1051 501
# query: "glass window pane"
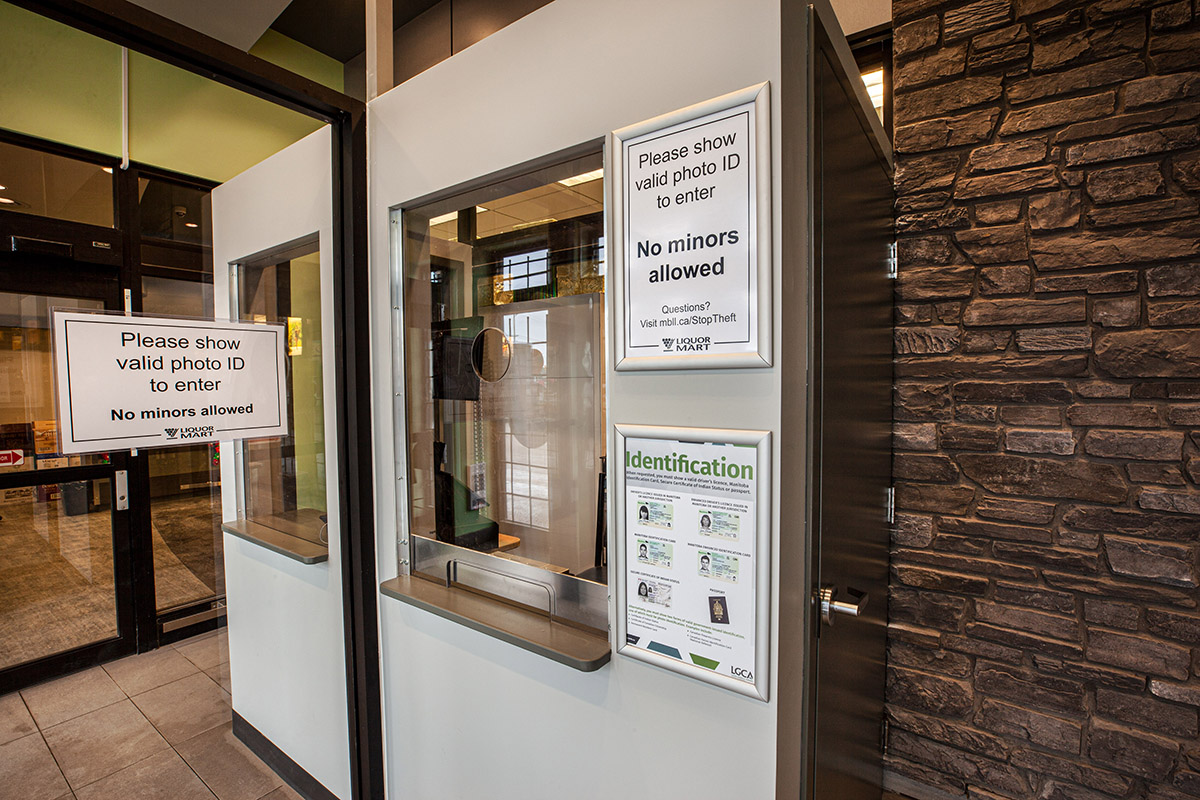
28 417
173 212
48 185
285 477
504 325
56 576
185 482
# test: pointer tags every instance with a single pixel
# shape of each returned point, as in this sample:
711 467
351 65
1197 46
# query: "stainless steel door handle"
830 605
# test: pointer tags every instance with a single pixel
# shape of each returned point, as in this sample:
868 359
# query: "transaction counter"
592 267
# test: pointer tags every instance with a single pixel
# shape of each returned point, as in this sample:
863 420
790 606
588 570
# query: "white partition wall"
286 642
470 716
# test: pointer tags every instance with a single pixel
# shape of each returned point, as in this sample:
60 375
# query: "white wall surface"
286 646
468 716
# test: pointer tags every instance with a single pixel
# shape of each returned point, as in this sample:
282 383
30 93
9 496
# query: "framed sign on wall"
693 512
690 204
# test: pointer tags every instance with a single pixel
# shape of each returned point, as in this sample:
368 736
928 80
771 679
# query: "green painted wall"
199 127
60 84
300 59
308 403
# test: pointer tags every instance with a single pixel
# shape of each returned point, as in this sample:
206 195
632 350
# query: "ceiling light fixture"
586 177
443 218
8 201
107 169
191 225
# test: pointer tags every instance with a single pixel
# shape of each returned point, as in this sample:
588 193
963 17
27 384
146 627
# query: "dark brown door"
851 430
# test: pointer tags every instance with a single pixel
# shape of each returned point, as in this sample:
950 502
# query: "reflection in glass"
174 212
48 185
28 417
56 574
504 326
284 478
185 481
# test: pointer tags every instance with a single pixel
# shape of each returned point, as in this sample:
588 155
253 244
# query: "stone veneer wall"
1044 637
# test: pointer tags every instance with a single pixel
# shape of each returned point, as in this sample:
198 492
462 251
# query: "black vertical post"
355 448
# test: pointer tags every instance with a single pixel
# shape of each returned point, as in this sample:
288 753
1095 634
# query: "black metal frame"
141 30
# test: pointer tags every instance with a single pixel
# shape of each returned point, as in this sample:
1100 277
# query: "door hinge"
891 505
893 265
884 727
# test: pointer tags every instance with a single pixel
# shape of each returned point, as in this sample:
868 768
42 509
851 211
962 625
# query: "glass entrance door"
65 562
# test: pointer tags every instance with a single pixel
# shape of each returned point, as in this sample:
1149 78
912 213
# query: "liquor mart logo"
668 344
196 432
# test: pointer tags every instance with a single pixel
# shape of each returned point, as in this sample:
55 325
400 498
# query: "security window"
503 344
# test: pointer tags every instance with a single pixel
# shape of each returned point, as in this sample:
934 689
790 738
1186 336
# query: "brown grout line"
122 769
49 750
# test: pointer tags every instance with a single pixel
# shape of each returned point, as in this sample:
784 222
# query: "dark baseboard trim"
292 773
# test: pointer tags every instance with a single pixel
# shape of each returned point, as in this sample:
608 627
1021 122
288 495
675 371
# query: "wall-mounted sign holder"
690 193
692 508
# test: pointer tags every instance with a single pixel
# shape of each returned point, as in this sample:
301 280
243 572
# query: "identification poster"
693 550
128 382
692 213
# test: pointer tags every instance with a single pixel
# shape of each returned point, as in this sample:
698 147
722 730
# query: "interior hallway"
155 725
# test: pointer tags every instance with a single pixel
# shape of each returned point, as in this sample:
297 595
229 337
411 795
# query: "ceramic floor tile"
163 776
29 771
186 708
206 651
147 671
220 674
102 742
70 697
227 767
15 721
283 793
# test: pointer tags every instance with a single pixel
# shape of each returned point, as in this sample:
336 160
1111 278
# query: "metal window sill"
529 630
293 547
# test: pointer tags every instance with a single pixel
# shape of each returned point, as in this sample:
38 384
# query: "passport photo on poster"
691 211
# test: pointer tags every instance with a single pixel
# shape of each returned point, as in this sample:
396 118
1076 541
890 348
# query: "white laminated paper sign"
694 552
129 382
693 217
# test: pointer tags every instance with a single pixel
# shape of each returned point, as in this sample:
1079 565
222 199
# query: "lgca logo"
171 432
668 344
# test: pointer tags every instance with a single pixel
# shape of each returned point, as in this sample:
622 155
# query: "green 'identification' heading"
681 463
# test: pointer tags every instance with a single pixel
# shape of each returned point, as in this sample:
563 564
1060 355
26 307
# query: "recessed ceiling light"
191 225
107 169
7 201
443 218
2 188
586 177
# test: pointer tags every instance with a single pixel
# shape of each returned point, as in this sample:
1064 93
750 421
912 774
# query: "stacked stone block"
1045 612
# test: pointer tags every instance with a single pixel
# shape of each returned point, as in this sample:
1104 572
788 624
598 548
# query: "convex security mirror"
491 354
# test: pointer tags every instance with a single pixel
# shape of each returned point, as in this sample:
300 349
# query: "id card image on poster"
693 508
692 213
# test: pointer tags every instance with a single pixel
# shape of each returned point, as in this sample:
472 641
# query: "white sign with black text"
694 555
129 382
694 220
